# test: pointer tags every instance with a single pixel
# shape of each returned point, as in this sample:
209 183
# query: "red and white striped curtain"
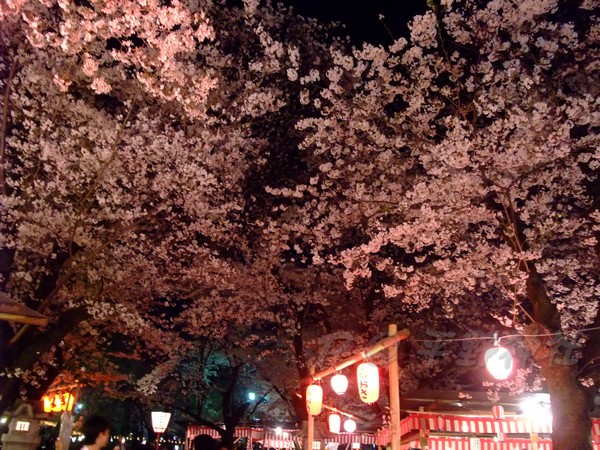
447 443
352 438
242 432
285 439
465 424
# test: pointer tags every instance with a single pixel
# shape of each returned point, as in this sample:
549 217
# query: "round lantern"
498 412
350 426
499 362
314 399
368 382
339 383
335 421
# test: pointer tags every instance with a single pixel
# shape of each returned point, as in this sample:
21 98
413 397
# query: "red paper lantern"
498 412
339 383
335 422
314 399
368 382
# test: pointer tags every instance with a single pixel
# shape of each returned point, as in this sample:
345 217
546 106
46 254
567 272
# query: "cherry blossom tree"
131 134
464 163
174 171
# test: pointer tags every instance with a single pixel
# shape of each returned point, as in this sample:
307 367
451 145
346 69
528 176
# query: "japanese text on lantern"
58 402
368 382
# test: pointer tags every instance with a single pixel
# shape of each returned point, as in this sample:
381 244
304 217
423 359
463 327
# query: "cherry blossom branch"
97 179
8 82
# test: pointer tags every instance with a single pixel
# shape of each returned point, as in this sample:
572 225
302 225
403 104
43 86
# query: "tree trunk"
228 439
571 422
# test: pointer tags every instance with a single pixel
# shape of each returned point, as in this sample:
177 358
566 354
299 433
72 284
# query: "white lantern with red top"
314 399
367 376
339 383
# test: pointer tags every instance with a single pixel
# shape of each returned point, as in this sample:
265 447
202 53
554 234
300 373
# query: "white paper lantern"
339 383
335 422
350 426
367 376
499 362
160 421
314 399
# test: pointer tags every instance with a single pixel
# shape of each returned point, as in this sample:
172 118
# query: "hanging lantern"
58 402
160 421
350 426
368 382
339 383
498 412
499 362
335 421
314 399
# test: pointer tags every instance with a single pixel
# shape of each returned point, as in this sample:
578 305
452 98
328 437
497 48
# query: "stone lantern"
23 430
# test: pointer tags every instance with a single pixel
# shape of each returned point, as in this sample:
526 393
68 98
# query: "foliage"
200 170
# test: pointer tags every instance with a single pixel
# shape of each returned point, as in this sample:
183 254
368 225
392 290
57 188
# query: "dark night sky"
361 17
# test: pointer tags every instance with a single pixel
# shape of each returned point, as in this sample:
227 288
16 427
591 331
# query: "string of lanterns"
498 359
367 376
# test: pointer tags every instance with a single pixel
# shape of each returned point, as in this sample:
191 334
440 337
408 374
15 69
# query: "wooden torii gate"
394 336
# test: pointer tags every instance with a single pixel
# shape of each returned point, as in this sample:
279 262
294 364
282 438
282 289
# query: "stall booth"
464 432
278 438
281 438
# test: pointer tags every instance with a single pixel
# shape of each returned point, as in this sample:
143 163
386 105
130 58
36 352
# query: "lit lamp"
334 423
160 421
499 362
367 376
314 399
350 426
339 383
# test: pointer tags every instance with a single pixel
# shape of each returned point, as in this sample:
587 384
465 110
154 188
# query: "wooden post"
311 422
394 388
376 348
535 439
424 442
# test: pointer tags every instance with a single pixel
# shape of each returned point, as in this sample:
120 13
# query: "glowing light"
22 425
339 383
278 431
58 402
251 396
367 376
499 362
335 422
536 409
350 426
160 421
314 399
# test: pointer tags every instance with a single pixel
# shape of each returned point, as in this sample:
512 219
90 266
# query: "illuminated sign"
22 425
58 402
